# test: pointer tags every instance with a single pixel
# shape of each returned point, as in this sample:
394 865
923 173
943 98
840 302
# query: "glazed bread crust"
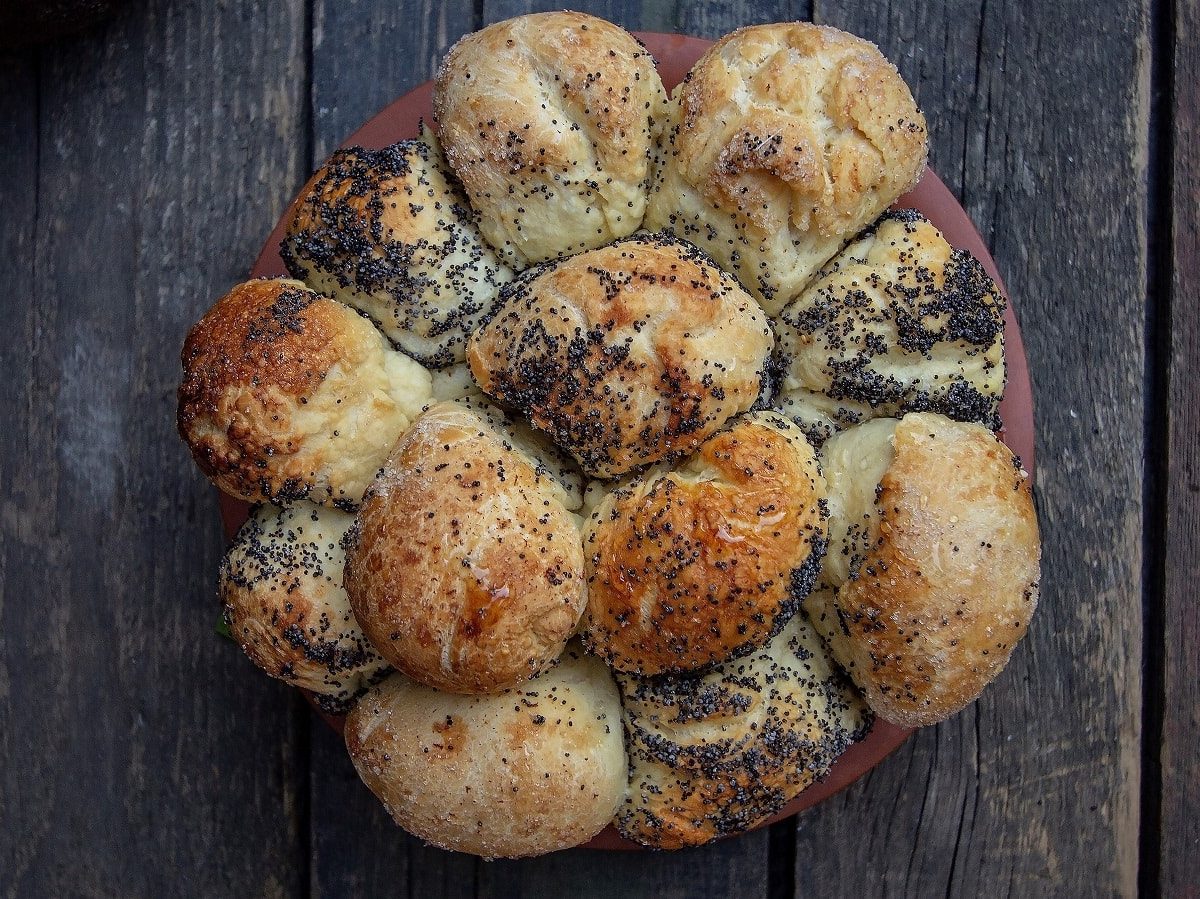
281 586
716 755
289 395
786 140
550 121
626 355
524 772
898 322
464 567
692 567
933 578
389 232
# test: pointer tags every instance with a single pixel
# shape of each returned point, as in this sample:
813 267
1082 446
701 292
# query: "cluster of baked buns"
619 456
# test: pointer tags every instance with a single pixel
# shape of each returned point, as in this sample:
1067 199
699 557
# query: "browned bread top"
625 355
550 121
692 567
464 567
527 771
932 575
389 232
288 395
787 139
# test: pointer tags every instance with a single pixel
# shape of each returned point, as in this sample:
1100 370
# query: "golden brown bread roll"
281 585
464 566
289 395
388 232
518 773
550 121
625 355
932 572
716 755
702 564
786 140
898 322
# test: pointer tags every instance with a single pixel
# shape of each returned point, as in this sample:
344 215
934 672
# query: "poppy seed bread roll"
691 567
464 566
786 140
528 771
717 755
550 122
932 573
290 395
898 322
389 232
281 585
626 355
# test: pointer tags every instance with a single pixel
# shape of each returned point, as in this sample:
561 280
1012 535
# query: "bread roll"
550 120
389 232
625 355
464 565
289 395
932 573
281 585
695 566
518 773
716 755
899 322
786 140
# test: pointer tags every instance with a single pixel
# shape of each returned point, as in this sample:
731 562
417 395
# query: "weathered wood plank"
627 14
736 867
139 754
1180 823
366 54
714 20
18 224
1033 790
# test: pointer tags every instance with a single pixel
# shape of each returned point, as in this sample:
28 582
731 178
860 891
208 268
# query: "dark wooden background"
145 160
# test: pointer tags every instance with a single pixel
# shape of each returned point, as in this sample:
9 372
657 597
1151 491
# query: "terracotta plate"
675 55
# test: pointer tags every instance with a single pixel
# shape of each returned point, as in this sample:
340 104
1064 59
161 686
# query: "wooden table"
144 162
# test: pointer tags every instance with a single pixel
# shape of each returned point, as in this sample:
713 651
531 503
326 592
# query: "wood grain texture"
736 867
1179 759
139 755
366 54
18 515
1039 124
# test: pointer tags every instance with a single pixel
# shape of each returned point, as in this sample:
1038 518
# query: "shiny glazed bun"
388 232
550 121
932 572
625 355
716 755
281 585
524 772
464 566
898 322
692 567
786 141
289 395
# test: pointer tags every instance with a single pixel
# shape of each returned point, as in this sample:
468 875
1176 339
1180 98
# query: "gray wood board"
1039 121
138 755
1179 826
